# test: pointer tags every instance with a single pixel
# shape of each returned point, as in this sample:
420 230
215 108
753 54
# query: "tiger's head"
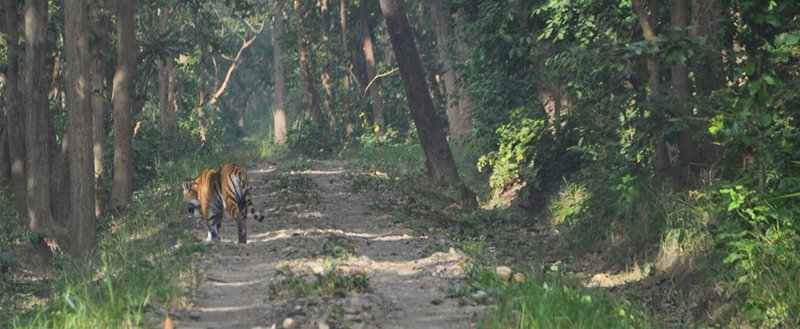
190 196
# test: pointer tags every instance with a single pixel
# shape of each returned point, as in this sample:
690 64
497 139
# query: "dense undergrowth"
143 265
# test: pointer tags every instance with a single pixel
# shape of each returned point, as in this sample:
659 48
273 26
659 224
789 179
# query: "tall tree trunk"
439 159
278 78
16 121
59 155
464 127
688 148
166 88
100 45
647 17
345 54
241 102
38 118
82 224
441 30
201 99
123 102
327 85
305 71
707 64
369 59
5 159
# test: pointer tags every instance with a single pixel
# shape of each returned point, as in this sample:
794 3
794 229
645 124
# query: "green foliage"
393 159
762 242
298 164
132 272
310 140
569 204
539 305
529 151
535 303
757 126
338 249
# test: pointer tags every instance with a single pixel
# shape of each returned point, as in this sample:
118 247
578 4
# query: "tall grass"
533 305
144 259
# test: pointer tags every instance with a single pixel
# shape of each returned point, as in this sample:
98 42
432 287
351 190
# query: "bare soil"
334 230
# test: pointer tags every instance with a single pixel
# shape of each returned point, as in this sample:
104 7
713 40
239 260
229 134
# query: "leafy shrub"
762 242
529 151
310 140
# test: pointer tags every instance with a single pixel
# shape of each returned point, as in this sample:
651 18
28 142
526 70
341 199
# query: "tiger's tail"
249 204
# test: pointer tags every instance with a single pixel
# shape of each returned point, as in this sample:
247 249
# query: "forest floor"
323 258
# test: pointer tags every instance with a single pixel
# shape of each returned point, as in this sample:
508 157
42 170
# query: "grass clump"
329 283
297 164
338 249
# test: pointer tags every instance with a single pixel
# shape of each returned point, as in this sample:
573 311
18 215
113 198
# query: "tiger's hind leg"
236 214
213 228
242 229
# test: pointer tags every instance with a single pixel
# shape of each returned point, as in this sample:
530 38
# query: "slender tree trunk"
647 20
327 84
59 155
369 59
464 127
172 106
688 148
39 142
278 78
122 98
82 224
16 121
201 98
434 142
241 102
100 45
707 64
5 158
305 71
166 88
441 29
345 54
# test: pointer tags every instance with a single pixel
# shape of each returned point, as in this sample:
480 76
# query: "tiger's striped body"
215 191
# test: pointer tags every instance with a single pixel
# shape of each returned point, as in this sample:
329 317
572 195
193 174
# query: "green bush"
762 242
310 140
531 304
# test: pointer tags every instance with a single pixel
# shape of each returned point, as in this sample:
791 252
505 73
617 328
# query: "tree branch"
385 74
231 68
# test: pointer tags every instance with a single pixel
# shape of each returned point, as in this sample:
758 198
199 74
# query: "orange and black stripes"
216 190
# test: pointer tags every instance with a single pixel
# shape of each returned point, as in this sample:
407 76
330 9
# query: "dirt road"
327 241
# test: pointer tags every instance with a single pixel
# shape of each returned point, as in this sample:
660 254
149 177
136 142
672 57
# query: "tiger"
217 190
